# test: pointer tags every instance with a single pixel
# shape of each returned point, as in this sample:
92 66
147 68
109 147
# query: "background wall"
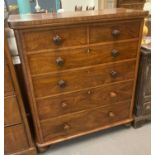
45 4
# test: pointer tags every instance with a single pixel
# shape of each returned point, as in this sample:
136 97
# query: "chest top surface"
51 19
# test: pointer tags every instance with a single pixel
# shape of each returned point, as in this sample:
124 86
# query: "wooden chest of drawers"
143 89
17 137
80 70
131 4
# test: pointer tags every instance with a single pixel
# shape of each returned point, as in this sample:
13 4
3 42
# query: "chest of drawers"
80 70
143 89
133 4
17 137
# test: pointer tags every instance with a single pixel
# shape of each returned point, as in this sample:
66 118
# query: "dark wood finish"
70 125
49 39
59 60
83 80
50 19
114 31
143 92
11 114
74 80
131 4
8 87
17 137
85 99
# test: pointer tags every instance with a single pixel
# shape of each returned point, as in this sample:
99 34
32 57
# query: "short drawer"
84 121
8 87
54 38
85 99
15 139
11 111
114 31
84 78
68 59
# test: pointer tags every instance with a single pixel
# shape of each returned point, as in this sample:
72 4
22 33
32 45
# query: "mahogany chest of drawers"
17 137
80 70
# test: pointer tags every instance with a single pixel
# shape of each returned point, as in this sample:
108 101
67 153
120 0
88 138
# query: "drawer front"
114 31
85 99
69 59
78 123
15 139
54 39
84 78
11 111
8 87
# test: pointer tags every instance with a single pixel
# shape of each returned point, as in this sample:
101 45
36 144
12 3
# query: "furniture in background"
80 3
17 137
79 71
143 91
131 4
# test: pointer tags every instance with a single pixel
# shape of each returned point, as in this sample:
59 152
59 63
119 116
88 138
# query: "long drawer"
15 139
11 111
84 78
85 99
69 125
105 32
68 59
55 38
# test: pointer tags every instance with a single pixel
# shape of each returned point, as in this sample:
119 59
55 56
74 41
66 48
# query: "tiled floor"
116 141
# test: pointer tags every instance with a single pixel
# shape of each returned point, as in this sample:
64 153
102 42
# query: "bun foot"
42 149
128 125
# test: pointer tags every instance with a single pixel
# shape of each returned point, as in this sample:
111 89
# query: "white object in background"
60 11
84 3
147 7
37 7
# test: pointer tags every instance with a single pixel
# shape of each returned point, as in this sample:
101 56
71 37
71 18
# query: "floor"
115 141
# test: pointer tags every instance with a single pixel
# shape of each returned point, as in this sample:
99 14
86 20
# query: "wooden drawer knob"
90 92
114 74
61 83
148 107
115 53
88 50
66 127
113 94
116 33
111 114
59 61
64 104
57 40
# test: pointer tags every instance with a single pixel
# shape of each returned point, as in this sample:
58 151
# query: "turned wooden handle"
111 114
59 61
90 92
64 104
61 83
114 74
57 40
113 94
116 33
115 53
148 107
66 127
